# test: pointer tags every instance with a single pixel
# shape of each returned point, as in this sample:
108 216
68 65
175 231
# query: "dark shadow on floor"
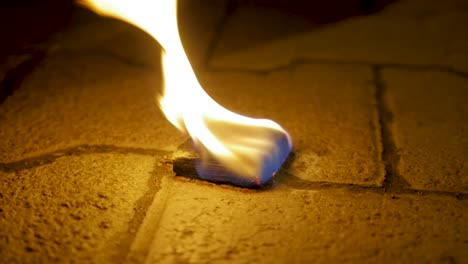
266 20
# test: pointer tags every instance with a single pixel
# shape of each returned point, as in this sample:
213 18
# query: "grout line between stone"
148 208
298 62
48 158
294 182
141 208
213 44
144 240
390 155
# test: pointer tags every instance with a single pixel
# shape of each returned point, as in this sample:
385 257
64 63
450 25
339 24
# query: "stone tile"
76 209
73 99
430 114
329 111
406 32
204 223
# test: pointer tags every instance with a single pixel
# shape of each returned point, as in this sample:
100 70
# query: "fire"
252 149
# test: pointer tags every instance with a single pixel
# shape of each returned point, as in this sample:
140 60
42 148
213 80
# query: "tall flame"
252 149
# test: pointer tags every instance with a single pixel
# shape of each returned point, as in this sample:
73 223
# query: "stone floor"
376 106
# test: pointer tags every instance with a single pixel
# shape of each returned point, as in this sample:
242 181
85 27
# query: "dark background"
24 22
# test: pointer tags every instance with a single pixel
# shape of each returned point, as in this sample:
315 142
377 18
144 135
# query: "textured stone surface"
74 99
203 223
406 32
77 209
430 126
332 120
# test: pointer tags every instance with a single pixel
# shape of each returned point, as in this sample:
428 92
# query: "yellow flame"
249 147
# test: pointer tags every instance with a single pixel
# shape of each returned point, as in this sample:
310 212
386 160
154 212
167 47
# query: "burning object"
228 147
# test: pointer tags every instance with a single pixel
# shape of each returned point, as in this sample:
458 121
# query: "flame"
252 149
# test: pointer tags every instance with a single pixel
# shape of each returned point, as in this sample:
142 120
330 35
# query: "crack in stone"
217 36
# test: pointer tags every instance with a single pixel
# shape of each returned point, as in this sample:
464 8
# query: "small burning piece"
227 147
189 161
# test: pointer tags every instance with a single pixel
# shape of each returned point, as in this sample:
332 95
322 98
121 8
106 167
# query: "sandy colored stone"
329 111
406 32
204 223
76 209
430 114
74 99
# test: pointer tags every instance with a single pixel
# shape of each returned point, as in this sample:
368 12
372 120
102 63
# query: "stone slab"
74 99
76 209
430 114
205 223
414 32
329 110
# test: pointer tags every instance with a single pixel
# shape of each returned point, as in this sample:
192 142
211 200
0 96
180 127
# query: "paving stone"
332 120
429 121
406 32
74 99
204 223
78 209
